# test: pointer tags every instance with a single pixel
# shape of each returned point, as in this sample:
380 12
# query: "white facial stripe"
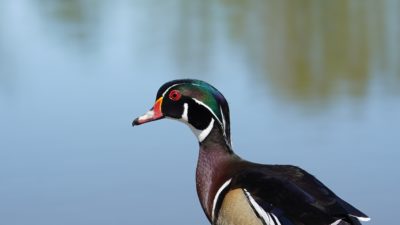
212 112
209 109
223 117
269 218
227 139
223 121
185 112
165 92
217 196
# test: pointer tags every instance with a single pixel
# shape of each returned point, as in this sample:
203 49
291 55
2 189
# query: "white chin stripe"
269 218
185 113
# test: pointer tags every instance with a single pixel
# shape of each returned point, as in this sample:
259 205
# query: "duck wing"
288 195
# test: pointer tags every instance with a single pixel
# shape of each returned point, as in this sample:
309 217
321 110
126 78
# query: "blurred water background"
310 83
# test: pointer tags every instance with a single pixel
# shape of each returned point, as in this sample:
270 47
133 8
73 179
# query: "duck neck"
215 156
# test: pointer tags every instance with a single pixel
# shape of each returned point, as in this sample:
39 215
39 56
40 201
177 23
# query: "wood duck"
233 191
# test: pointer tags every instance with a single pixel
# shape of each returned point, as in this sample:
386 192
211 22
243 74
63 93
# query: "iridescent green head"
194 102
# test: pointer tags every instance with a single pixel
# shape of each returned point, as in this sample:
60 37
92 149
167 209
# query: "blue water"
306 86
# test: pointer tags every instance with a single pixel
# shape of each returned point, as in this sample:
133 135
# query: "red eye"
175 95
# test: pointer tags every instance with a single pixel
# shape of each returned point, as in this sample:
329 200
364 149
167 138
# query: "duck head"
194 102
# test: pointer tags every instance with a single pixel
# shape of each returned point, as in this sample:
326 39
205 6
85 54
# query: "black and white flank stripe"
267 217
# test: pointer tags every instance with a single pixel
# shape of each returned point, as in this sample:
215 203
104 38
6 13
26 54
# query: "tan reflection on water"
303 50
72 20
316 50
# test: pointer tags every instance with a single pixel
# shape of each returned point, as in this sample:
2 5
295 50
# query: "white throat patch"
200 134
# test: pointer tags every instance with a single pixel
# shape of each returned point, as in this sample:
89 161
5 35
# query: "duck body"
233 191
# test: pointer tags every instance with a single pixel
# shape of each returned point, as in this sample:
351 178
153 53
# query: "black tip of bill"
135 122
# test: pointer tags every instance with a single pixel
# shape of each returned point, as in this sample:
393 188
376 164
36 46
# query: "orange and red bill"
153 114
